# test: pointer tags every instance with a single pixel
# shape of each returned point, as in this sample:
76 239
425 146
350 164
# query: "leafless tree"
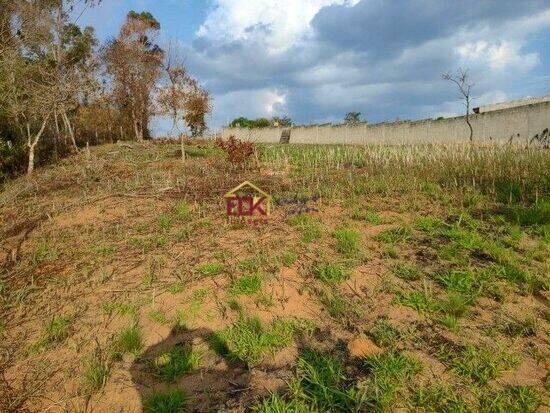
462 80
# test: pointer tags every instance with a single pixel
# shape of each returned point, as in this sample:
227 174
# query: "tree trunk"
31 143
182 148
69 128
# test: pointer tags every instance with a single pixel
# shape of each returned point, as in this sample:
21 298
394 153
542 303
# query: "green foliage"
331 272
384 333
480 364
348 242
210 268
95 375
56 330
511 399
437 398
248 340
367 215
175 362
247 284
308 226
407 271
129 340
418 300
289 258
172 401
388 372
428 224
183 211
394 235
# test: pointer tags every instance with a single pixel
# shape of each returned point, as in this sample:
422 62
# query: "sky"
316 60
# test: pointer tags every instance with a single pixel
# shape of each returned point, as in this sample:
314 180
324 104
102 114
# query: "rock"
361 346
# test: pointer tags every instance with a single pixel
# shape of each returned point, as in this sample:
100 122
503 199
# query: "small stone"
361 346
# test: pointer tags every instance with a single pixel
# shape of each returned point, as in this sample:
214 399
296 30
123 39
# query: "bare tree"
462 80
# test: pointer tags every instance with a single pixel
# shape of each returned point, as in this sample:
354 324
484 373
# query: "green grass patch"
172 401
480 364
348 242
246 285
384 333
420 301
330 272
127 341
289 258
436 398
511 399
428 224
182 211
308 226
210 268
95 375
407 271
248 340
366 215
394 235
389 374
175 362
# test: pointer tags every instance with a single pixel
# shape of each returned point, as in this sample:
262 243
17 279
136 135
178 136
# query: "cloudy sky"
316 60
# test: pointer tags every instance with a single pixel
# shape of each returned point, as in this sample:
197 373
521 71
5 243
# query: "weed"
332 272
481 364
211 268
247 284
120 309
450 321
420 301
277 404
516 328
129 340
248 340
95 375
394 235
158 316
175 362
320 381
176 288
456 305
183 211
366 215
384 333
436 398
407 272
428 224
172 401
308 226
389 371
511 399
536 214
289 258
165 222
348 242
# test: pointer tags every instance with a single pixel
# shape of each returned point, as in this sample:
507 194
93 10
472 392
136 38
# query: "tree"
181 97
284 122
462 80
352 118
134 62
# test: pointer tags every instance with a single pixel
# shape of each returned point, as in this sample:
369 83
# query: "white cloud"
285 21
501 55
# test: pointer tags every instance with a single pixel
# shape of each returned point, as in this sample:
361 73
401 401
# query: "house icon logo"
247 200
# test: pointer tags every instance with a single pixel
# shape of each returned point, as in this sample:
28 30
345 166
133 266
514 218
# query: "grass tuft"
246 285
172 401
348 242
175 362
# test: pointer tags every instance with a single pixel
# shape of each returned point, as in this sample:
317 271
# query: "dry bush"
238 152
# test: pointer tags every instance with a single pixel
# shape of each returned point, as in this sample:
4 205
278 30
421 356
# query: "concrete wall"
525 121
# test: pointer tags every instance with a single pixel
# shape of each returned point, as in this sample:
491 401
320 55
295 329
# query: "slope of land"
421 282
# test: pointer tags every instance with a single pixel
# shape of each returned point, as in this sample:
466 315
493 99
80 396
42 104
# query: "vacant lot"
421 283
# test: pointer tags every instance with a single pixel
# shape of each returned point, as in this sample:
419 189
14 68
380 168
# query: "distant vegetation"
242 122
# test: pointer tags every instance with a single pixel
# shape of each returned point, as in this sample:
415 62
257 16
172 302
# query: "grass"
511 399
289 258
367 215
95 375
409 272
348 242
330 272
340 307
182 211
175 362
435 398
308 226
210 268
420 301
394 235
384 333
246 285
388 372
249 340
56 331
171 401
127 341
528 327
480 364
